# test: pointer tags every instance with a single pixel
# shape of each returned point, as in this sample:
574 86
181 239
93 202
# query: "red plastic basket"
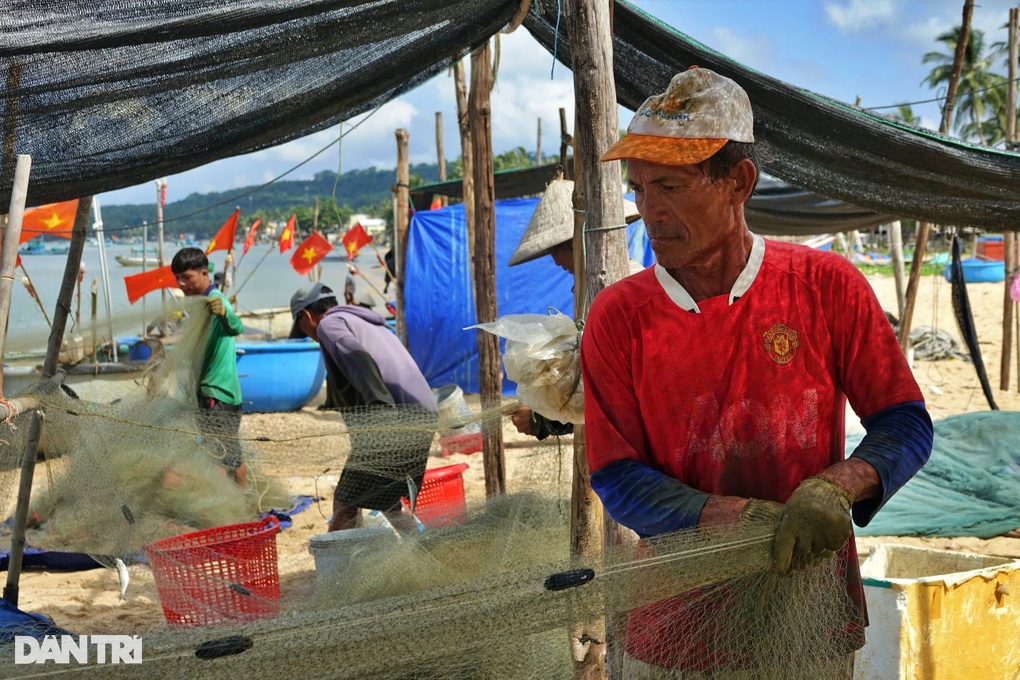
441 499
469 442
220 575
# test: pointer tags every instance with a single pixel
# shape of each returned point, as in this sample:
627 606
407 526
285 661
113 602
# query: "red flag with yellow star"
53 219
139 284
287 235
309 252
354 239
224 238
249 240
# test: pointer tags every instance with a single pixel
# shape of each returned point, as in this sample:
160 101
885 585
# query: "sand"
89 601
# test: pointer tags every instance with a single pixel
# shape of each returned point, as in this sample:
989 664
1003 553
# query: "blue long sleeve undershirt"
898 442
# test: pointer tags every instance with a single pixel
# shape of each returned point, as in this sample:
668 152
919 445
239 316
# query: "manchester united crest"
781 343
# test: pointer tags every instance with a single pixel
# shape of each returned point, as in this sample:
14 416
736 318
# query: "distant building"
373 226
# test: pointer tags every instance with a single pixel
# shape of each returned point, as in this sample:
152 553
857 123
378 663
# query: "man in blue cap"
375 379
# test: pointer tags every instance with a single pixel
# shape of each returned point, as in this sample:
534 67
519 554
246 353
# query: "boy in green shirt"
219 390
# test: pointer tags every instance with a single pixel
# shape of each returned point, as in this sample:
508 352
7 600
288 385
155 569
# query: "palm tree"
978 89
906 114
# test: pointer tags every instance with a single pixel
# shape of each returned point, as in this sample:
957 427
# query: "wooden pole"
439 152
1009 238
565 141
160 198
923 228
466 158
401 224
896 253
9 250
603 259
538 145
49 368
490 376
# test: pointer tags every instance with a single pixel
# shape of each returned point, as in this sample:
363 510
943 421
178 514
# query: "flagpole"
160 198
357 272
30 287
97 226
271 249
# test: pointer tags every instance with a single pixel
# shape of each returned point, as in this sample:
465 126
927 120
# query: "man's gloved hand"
815 523
216 305
764 512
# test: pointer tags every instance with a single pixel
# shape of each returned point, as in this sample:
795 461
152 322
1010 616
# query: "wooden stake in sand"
924 228
490 376
49 370
1009 238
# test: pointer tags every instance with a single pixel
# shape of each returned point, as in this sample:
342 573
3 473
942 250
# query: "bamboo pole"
1009 238
440 155
896 253
466 158
602 257
9 250
565 141
489 373
400 222
923 228
538 144
49 369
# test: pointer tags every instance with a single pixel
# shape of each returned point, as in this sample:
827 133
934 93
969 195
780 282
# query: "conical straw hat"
552 223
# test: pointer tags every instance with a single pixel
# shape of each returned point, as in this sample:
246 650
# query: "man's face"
563 256
193 281
687 216
308 323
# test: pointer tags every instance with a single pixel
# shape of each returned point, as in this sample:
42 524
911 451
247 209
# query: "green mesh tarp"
969 487
819 144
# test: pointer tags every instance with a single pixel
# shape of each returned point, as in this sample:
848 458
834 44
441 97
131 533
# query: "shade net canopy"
110 95
820 144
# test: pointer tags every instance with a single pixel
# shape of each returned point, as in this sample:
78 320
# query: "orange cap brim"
663 150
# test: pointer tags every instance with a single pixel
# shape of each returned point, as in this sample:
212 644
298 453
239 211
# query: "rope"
556 38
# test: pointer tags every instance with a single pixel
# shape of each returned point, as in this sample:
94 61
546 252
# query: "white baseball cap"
688 123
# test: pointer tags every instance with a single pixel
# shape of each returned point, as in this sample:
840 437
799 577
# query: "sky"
843 49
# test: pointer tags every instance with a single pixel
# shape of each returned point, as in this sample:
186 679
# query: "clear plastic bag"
542 356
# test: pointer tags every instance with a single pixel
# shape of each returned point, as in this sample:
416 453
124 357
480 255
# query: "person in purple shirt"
373 379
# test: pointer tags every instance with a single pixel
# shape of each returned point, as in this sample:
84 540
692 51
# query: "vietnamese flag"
437 203
287 235
309 252
249 240
354 239
55 219
146 282
224 238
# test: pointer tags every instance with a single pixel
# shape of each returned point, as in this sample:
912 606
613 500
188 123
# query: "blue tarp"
438 296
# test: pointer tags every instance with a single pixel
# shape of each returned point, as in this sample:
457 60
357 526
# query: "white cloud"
753 51
859 15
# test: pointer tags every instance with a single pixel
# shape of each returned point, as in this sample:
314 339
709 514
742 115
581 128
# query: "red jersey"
741 394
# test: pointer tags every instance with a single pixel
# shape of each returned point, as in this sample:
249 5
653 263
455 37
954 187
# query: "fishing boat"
138 259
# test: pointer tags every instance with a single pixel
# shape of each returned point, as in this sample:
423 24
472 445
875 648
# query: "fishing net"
475 588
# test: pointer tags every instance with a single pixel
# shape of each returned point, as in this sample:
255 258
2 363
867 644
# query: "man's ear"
743 175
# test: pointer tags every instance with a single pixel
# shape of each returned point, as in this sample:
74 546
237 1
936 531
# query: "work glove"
815 523
758 511
216 305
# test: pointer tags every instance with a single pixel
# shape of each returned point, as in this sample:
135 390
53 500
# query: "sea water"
271 284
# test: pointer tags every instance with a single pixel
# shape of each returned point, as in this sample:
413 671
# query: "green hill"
366 191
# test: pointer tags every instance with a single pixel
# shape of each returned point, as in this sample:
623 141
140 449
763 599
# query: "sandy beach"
89 601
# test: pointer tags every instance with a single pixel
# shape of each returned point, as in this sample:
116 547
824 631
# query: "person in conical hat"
716 380
551 232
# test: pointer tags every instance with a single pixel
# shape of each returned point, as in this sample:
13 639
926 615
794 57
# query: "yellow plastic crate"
937 615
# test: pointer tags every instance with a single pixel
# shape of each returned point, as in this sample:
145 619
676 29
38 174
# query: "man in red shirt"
716 380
